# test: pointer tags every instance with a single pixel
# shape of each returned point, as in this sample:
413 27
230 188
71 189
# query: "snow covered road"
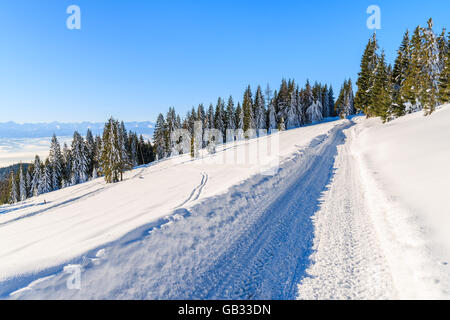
348 262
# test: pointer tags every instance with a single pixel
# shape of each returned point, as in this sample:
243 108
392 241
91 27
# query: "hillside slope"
383 228
38 238
356 209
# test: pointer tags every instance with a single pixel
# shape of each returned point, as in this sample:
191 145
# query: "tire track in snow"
348 262
268 260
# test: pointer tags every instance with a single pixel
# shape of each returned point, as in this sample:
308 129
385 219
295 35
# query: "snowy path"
269 258
348 262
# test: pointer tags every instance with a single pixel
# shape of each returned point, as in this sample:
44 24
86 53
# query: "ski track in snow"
197 191
252 242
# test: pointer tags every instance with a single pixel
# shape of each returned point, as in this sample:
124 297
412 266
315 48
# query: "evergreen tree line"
87 158
418 80
289 107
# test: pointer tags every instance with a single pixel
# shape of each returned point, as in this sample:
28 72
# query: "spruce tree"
430 69
400 72
97 156
230 115
36 179
247 106
79 165
219 117
133 158
239 122
159 137
67 167
411 89
171 126
331 103
56 162
444 80
345 102
382 91
13 196
22 185
325 102
272 116
307 101
292 119
46 178
112 162
90 152
124 146
283 100
314 111
364 96
209 117
259 110
201 114
29 192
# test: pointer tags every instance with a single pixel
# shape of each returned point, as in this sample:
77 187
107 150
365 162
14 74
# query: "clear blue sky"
134 59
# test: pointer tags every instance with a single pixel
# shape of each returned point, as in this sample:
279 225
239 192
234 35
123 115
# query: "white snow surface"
383 228
41 235
356 210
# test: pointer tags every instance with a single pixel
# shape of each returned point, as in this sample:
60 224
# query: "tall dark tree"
259 110
219 117
13 194
366 77
331 103
56 163
247 107
400 72
80 160
113 165
160 138
444 80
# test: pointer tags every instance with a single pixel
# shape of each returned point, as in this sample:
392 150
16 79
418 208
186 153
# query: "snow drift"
382 231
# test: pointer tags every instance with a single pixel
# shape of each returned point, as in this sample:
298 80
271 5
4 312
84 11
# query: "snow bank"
405 171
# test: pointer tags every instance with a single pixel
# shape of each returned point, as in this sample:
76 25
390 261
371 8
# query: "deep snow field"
383 228
351 209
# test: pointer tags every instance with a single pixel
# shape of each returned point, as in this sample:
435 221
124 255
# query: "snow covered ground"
38 239
355 210
383 230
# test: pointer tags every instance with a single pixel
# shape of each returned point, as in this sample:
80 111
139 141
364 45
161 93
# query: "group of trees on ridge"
289 107
116 151
418 80
87 158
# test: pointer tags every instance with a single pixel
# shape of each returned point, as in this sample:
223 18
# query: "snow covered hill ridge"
42 130
356 209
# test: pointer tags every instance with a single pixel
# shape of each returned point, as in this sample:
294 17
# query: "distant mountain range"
41 130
